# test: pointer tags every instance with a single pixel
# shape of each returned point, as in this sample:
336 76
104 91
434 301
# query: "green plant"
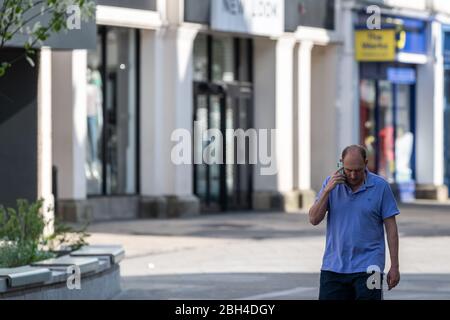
27 17
20 234
22 239
66 237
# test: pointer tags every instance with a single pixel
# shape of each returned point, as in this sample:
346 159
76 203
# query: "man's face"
354 167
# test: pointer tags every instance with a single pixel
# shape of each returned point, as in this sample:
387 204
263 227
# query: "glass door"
239 171
387 128
208 174
112 154
227 185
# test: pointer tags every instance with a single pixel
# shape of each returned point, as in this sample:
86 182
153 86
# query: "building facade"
161 66
128 121
393 79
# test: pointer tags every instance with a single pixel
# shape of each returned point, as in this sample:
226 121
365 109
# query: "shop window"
310 13
201 58
197 11
223 59
111 148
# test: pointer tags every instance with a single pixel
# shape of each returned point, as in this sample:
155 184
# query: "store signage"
259 17
401 75
375 45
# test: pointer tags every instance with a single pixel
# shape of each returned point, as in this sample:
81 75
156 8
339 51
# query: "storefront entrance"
387 119
223 99
224 186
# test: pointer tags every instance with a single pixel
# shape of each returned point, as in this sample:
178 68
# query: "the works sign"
259 17
375 45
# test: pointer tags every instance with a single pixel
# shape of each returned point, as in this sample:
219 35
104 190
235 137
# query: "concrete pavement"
251 255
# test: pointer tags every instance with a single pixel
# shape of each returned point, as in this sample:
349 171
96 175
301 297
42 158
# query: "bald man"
359 204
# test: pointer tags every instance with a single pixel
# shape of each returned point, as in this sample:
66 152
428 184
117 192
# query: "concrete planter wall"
48 280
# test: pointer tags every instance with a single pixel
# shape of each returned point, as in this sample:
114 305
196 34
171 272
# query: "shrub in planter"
21 235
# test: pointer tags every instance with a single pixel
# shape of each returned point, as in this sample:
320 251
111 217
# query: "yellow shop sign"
375 45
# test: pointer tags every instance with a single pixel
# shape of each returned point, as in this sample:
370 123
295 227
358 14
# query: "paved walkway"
262 256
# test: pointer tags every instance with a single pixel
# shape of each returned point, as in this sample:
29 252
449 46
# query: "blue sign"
446 45
401 75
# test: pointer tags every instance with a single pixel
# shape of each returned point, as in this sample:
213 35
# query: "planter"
51 279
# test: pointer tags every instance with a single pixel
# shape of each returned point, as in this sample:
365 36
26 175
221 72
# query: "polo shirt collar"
368 182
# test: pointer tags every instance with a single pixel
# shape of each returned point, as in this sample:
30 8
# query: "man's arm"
393 277
319 209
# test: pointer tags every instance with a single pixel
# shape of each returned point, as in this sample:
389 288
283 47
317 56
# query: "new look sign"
258 17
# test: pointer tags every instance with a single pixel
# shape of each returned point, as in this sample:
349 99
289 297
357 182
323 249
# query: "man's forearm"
392 238
319 209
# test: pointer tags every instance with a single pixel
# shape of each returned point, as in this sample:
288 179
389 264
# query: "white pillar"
438 93
429 112
304 114
69 122
347 87
264 58
167 105
44 169
284 113
152 169
323 113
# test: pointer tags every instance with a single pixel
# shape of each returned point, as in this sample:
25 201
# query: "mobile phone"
340 166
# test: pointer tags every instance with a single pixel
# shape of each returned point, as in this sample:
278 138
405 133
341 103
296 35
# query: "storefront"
223 93
246 65
388 60
112 113
96 133
223 99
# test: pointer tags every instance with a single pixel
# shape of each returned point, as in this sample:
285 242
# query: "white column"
152 169
79 80
430 113
184 101
44 170
438 163
167 105
284 113
69 122
347 88
304 114
264 58
323 113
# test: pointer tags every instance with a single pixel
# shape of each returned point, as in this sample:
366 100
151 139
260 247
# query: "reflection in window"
94 105
112 133
368 126
223 59
201 58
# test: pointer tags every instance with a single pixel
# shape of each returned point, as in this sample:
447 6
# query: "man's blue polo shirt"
355 232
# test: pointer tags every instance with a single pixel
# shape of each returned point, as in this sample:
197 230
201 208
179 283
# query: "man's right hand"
335 179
